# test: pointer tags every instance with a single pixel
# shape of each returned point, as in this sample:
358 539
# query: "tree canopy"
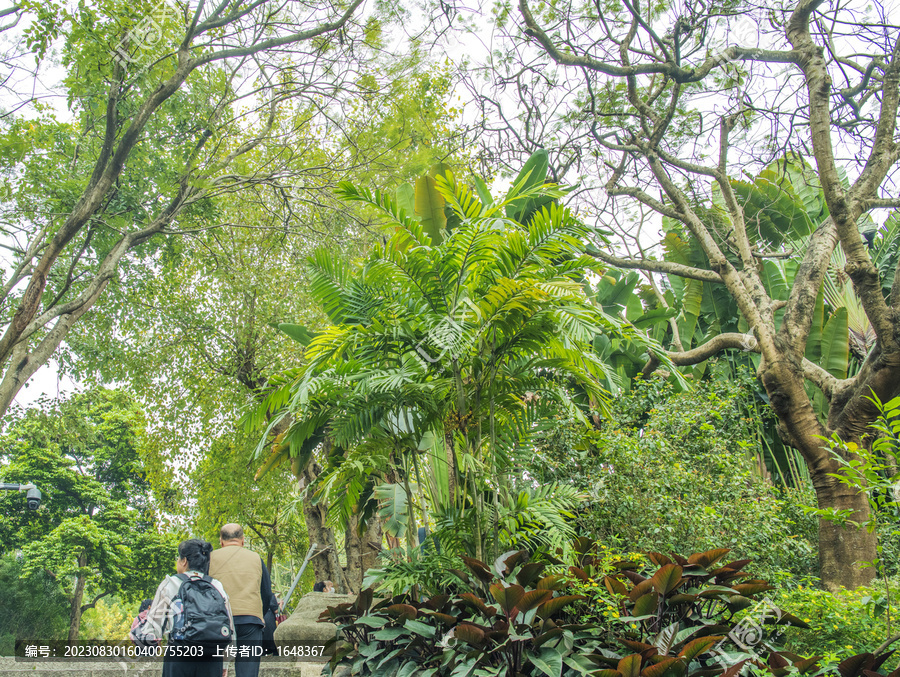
661 109
98 530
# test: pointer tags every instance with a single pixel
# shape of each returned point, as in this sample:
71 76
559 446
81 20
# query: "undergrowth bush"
681 471
429 571
656 616
841 623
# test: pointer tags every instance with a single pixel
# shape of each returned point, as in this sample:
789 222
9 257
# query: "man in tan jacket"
249 588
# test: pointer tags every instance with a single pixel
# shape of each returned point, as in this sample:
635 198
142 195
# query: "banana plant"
615 292
783 206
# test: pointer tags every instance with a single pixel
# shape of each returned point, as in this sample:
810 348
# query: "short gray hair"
231 532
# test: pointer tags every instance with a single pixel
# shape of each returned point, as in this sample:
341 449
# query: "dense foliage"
96 533
671 616
448 346
451 369
31 607
671 470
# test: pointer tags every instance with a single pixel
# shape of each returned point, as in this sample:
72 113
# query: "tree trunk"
842 549
77 597
326 565
361 551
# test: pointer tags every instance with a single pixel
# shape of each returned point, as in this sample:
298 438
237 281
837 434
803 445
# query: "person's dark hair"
196 552
319 587
145 605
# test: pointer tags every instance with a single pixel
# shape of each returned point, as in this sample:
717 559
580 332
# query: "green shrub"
681 472
516 621
673 617
428 570
847 622
31 607
108 620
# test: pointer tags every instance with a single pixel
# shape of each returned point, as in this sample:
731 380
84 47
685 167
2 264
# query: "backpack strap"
184 578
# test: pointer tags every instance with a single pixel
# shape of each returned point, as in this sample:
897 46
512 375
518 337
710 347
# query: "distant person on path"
142 613
166 615
249 588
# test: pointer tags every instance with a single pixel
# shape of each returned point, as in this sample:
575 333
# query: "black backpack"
204 616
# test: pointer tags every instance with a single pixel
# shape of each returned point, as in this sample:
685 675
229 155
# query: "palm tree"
441 358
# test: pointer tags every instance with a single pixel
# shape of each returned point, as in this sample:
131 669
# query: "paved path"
9 667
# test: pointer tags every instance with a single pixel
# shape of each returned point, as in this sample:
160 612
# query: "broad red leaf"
461 574
879 660
479 568
659 669
649 654
667 578
579 574
708 558
752 587
737 602
445 619
735 669
479 604
614 585
640 590
529 573
777 661
552 582
854 665
630 666
402 611
658 558
471 634
364 601
507 561
547 636
646 604
698 646
729 576
507 598
532 599
635 646
786 619
552 606
737 564
583 545
633 576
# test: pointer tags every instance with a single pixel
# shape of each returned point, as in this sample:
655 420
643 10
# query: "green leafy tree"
31 607
97 532
161 121
190 329
227 492
443 350
660 107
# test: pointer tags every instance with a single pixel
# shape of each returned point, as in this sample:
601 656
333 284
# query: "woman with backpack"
192 611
